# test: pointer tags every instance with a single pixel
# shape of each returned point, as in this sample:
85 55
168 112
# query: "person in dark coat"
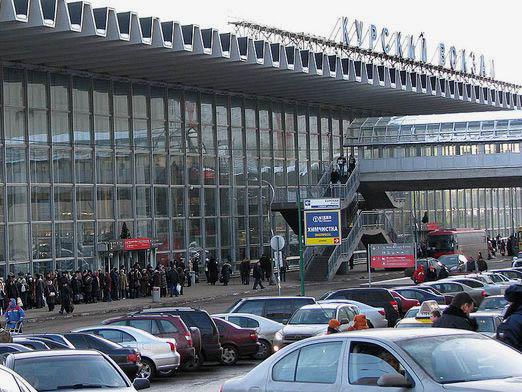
510 331
226 271
107 293
172 281
457 314
244 271
11 287
257 274
39 291
481 263
115 284
431 274
95 287
213 271
182 279
50 293
87 287
65 299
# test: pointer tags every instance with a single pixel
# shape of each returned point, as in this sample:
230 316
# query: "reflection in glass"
143 202
15 165
18 242
123 168
42 242
160 169
178 231
225 232
85 241
125 203
41 203
161 201
84 166
178 205
144 229
105 231
14 126
17 203
38 127
177 170
63 203
105 202
104 167
62 166
142 168
194 201
85 203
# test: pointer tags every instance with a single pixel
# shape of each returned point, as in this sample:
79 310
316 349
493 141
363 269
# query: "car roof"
123 328
239 314
276 298
55 353
484 313
493 297
324 306
168 309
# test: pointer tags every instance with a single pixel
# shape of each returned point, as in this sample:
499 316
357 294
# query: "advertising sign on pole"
322 227
322 204
392 255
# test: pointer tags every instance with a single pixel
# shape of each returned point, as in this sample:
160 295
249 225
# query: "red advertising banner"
136 244
392 256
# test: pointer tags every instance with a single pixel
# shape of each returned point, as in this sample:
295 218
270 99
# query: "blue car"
420 294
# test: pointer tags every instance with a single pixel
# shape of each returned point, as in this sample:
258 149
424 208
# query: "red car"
166 326
404 303
237 342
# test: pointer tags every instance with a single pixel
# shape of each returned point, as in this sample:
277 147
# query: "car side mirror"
344 321
140 384
285 321
394 381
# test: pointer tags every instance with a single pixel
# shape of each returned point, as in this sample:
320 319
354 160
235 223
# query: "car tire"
265 350
147 370
229 356
193 365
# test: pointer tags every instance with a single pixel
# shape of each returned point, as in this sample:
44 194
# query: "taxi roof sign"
426 308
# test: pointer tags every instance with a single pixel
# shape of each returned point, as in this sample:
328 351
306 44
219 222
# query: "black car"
32 344
125 357
378 297
278 309
56 337
420 295
195 318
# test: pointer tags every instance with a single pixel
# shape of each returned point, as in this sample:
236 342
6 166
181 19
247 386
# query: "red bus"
467 242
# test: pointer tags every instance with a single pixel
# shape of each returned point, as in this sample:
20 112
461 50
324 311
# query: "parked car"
237 342
476 284
12 382
454 263
499 278
378 297
265 328
53 345
452 287
405 303
493 304
127 358
158 356
59 338
489 284
32 344
509 273
8 348
427 359
412 313
420 295
487 322
312 320
426 263
375 316
164 326
196 318
433 290
71 370
273 308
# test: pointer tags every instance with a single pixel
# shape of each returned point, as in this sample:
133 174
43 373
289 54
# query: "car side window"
166 326
278 310
127 337
243 322
368 362
109 334
253 307
343 314
78 342
455 287
316 363
121 323
144 325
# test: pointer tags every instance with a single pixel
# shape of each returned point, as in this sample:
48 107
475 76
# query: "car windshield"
441 242
413 325
453 358
449 261
497 278
493 303
69 372
485 324
412 312
312 316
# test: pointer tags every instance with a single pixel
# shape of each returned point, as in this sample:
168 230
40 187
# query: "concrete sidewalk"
201 293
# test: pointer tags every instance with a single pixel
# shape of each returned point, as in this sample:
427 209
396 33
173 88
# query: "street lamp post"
272 190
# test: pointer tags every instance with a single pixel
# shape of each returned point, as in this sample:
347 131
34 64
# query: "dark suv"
210 346
164 326
377 297
274 308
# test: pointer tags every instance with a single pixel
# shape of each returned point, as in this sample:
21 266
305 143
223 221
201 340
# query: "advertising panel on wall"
322 227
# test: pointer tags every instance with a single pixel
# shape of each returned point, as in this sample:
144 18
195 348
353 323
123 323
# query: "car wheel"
265 349
147 369
193 365
229 356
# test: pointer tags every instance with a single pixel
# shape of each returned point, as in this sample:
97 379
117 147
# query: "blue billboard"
322 227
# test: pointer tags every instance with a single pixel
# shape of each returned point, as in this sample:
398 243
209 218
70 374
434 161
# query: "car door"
368 361
316 366
344 315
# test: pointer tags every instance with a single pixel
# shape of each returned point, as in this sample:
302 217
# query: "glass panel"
158 135
105 231
160 169
85 240
105 202
195 232
141 133
41 203
84 166
17 203
123 168
42 241
125 203
18 242
210 201
102 134
178 205
82 128
225 232
38 126
210 233
192 126
15 165
13 87
43 267
178 231
209 170
60 127
142 168
63 203
162 234
60 92
194 201
144 229
14 126
177 170
62 166
39 163
161 202
85 203
105 169
64 240
143 202
101 96
194 170
224 200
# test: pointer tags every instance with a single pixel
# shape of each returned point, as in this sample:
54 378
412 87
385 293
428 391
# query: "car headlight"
278 335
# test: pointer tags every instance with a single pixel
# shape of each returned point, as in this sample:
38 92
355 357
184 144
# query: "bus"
467 242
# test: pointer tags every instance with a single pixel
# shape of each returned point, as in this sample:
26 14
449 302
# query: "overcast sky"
488 27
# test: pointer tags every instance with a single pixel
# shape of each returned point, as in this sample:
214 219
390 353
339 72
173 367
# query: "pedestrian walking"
351 164
481 263
226 271
510 331
50 293
341 163
173 281
457 314
65 299
282 270
257 274
213 272
244 270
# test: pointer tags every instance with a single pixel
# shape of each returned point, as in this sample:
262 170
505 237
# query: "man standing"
351 164
257 274
244 270
457 314
341 162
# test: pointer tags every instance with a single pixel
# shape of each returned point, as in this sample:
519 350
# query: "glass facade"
82 155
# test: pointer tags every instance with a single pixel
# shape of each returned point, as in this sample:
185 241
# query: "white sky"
486 27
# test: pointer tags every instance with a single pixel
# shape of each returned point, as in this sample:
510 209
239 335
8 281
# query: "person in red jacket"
419 275
359 323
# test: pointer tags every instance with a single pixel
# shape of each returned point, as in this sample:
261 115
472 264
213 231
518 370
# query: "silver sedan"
427 359
376 316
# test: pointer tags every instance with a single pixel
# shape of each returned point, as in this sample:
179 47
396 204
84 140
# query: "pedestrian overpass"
397 154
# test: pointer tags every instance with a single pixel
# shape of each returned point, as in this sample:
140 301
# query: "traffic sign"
277 243
392 255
